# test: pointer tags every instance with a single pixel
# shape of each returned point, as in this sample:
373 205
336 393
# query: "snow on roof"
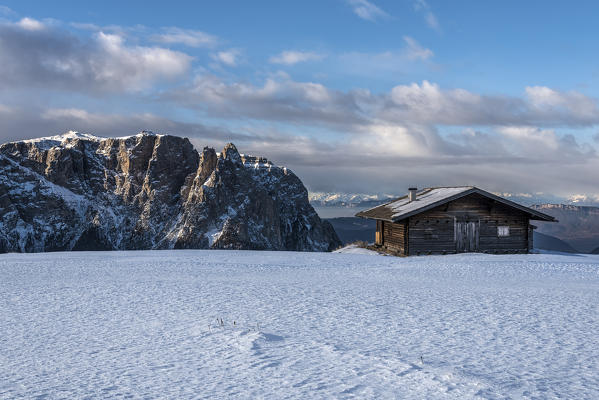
424 199
431 197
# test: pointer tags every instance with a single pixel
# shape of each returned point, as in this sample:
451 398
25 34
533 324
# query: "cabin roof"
428 198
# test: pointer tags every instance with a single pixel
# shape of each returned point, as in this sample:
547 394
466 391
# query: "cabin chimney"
412 194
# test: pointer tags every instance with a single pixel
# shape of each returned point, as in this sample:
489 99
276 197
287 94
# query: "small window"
503 231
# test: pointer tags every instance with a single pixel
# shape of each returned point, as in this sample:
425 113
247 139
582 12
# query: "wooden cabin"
447 220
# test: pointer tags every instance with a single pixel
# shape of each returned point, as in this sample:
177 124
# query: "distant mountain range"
359 200
351 200
578 225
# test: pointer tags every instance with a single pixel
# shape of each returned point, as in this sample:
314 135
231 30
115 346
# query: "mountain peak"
230 152
147 191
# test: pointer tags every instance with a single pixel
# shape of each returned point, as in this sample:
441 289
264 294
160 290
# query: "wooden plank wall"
394 237
432 232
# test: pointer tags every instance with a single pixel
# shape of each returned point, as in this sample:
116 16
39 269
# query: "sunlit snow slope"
307 325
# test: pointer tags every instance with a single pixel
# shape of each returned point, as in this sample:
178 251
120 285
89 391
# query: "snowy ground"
312 325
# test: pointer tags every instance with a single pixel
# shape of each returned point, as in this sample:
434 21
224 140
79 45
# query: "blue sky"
379 94
483 46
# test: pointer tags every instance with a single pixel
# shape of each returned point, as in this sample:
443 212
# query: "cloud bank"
355 140
36 55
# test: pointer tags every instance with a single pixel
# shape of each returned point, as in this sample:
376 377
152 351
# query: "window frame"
503 230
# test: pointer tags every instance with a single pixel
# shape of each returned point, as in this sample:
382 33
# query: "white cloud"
381 139
378 155
138 66
400 130
54 58
291 57
281 99
228 57
430 18
72 113
6 11
188 37
416 52
532 136
367 10
30 24
426 103
541 96
397 140
404 129
545 100
432 21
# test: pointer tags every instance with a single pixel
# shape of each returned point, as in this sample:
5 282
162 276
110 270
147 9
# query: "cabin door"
466 236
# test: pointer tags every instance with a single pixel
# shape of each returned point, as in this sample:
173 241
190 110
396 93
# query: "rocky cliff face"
80 192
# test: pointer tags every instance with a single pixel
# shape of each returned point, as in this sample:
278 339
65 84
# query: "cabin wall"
433 232
393 235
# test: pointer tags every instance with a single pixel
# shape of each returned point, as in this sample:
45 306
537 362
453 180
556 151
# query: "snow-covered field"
143 324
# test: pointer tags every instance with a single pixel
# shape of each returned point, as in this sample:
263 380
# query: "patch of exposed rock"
148 191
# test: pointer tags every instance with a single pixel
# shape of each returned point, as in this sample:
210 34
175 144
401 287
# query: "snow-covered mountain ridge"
147 191
334 199
325 199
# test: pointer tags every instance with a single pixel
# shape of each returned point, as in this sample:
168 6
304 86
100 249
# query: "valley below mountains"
578 225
